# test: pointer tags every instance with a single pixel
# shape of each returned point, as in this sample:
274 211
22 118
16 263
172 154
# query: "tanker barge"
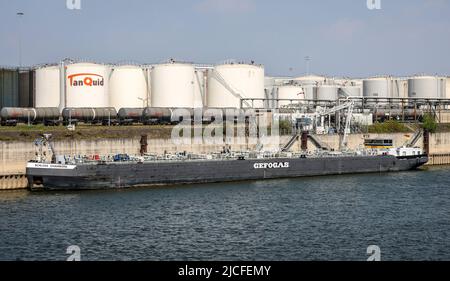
123 171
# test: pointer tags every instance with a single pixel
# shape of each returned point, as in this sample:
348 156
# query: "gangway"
318 143
291 142
412 142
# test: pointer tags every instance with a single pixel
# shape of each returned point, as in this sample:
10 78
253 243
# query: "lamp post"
308 60
20 16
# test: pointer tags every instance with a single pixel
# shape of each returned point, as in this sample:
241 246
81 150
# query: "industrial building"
16 87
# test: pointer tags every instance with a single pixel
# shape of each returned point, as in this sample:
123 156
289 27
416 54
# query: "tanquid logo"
86 79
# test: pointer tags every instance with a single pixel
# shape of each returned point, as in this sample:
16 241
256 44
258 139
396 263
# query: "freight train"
109 116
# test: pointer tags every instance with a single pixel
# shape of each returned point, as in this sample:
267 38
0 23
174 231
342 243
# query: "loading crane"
348 106
43 143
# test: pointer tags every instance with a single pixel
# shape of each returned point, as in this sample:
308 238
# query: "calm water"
329 218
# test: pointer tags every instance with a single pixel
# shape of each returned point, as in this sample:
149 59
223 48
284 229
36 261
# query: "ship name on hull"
276 165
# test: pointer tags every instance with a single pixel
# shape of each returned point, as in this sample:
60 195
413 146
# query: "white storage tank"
377 87
47 86
172 85
350 91
243 79
399 88
293 92
427 87
327 93
447 90
308 79
269 82
310 84
87 85
271 92
128 87
310 91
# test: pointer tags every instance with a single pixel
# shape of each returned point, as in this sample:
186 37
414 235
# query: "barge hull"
124 175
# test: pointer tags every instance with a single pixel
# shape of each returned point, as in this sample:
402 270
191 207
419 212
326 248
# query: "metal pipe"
62 85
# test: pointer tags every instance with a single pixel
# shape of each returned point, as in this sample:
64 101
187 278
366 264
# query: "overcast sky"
343 37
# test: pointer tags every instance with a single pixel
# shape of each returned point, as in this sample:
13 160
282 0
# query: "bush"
285 127
429 123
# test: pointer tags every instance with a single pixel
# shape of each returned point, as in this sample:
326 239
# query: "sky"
343 38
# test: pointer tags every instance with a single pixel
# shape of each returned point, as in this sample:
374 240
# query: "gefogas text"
277 165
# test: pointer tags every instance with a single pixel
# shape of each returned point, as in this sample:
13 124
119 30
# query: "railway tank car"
158 116
102 115
130 116
11 116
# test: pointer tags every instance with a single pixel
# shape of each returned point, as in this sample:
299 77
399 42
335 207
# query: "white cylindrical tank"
47 86
327 93
290 92
310 91
243 79
427 87
172 85
447 90
350 91
271 92
269 82
128 87
310 84
319 80
400 88
87 85
377 87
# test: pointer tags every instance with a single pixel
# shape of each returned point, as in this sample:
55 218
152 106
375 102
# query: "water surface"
324 218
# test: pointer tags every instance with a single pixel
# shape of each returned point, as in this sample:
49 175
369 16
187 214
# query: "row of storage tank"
183 85
164 85
325 89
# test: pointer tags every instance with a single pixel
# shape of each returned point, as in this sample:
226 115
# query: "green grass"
83 132
387 127
443 128
25 128
92 132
